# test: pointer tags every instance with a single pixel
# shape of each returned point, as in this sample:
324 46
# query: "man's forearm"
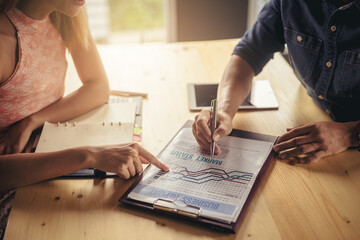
235 85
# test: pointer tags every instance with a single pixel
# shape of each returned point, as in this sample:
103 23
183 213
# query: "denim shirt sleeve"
266 37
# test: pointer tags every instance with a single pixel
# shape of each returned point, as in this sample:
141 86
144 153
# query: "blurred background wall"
139 21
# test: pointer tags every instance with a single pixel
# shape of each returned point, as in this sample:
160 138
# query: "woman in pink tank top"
34 35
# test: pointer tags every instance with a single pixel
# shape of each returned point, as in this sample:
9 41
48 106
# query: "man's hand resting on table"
202 132
313 141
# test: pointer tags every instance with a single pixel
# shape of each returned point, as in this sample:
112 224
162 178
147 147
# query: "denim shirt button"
328 64
299 38
333 28
321 97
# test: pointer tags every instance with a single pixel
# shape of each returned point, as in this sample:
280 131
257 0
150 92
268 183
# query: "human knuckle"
131 150
317 127
292 132
297 141
293 142
222 130
134 153
326 149
124 168
121 173
302 149
124 159
135 146
201 121
316 145
140 169
315 157
204 112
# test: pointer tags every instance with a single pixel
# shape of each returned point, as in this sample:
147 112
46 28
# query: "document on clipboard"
214 190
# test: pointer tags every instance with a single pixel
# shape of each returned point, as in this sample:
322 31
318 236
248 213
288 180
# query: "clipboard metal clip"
177 206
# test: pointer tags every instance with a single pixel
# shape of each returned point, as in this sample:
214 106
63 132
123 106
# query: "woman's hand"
310 142
202 132
124 160
14 138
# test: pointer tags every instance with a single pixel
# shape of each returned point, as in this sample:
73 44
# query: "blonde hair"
73 30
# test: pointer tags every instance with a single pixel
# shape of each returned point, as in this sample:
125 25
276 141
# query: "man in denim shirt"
323 40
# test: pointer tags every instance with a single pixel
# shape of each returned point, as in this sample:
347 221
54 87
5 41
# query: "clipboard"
180 209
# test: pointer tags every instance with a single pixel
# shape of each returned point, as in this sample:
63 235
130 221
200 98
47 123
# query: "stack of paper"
109 124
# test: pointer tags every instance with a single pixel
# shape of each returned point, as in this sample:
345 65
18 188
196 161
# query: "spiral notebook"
112 123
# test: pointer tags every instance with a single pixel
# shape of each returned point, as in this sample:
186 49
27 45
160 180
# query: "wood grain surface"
316 201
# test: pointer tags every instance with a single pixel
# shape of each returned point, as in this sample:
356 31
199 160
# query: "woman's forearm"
235 85
26 168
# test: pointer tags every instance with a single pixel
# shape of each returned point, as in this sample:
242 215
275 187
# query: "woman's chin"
80 2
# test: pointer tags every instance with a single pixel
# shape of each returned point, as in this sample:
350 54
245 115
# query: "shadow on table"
340 164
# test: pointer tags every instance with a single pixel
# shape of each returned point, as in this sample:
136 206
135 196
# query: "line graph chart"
212 180
206 175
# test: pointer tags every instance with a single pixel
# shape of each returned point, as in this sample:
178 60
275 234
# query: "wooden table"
316 201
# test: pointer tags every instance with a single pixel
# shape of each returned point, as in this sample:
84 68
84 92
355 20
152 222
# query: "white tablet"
261 96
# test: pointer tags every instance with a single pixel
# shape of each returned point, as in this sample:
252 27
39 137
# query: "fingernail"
276 148
283 156
166 168
216 137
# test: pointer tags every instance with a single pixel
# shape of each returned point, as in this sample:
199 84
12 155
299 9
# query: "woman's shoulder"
7 30
7 43
6 27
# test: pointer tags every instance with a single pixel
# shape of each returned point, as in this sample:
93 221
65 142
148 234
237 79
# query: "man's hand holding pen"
202 132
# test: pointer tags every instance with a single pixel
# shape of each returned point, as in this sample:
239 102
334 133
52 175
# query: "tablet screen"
204 93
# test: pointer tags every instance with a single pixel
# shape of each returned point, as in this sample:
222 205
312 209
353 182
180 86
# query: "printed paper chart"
211 179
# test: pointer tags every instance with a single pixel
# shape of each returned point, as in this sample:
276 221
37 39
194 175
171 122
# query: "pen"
128 94
213 119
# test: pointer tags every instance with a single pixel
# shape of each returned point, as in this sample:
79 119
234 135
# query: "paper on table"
56 138
89 129
110 112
